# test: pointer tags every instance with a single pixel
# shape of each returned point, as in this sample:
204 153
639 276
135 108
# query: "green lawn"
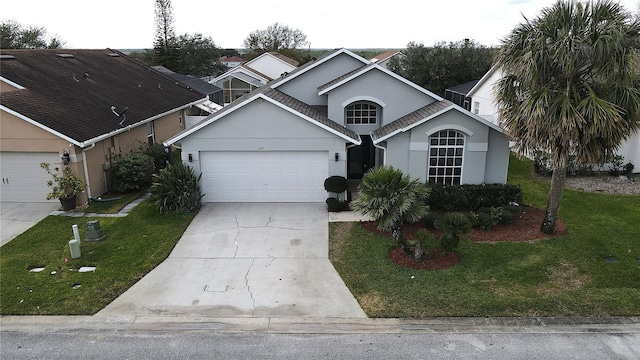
563 276
135 244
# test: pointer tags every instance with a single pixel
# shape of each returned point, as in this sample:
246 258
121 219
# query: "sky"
328 24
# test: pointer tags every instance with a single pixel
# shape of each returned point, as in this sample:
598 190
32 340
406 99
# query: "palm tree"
570 86
392 199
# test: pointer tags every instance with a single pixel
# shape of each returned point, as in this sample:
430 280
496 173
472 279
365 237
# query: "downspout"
384 153
86 169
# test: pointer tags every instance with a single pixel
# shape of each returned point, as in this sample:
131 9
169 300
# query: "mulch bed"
526 227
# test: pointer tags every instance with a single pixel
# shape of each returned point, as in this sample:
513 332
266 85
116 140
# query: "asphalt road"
190 344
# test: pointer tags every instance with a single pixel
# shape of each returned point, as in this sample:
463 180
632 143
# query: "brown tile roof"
384 55
412 118
73 94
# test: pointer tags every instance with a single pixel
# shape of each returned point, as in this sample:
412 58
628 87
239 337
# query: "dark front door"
361 158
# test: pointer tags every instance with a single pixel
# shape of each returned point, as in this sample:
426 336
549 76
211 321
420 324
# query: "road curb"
618 325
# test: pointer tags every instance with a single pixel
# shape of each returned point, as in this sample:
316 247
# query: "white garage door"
22 178
264 176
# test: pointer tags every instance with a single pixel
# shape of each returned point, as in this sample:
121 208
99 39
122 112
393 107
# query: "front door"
361 158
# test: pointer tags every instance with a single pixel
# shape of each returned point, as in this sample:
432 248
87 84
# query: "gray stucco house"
338 115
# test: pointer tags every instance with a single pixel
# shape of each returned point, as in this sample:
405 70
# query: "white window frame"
359 113
445 157
150 133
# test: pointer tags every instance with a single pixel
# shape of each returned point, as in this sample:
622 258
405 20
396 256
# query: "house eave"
259 96
11 83
434 115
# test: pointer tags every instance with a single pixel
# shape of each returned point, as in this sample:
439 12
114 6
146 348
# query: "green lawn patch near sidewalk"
562 276
113 202
135 244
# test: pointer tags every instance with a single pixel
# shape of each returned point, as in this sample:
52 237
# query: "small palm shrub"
134 171
392 198
177 188
456 226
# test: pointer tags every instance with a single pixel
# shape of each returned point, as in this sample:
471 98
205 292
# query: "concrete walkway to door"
246 260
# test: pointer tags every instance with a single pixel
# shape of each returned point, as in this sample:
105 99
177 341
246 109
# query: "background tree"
443 65
276 37
165 45
198 56
15 36
571 86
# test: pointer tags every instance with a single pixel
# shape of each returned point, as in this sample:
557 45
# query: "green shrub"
430 220
628 168
485 221
470 197
616 164
157 153
455 226
134 171
336 205
177 188
336 184
507 217
426 240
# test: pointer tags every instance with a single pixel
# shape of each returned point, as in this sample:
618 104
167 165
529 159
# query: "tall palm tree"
392 198
570 86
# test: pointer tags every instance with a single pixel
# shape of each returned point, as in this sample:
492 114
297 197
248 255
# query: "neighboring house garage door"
23 180
264 176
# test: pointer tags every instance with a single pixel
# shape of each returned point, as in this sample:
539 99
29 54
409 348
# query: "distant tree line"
15 36
443 65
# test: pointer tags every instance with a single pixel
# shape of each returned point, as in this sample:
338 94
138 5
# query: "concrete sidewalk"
246 260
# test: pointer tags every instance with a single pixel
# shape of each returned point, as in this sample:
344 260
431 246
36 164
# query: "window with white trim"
150 136
361 112
444 166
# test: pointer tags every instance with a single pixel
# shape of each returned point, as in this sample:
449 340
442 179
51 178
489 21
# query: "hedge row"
472 197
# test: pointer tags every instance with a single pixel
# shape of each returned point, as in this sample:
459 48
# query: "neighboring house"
95 105
384 58
253 74
213 93
231 61
459 94
338 115
483 103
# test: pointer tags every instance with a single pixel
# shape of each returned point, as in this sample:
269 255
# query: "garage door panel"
264 176
24 180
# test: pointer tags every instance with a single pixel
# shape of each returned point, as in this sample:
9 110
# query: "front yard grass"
135 244
562 276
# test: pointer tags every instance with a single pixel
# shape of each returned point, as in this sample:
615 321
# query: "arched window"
362 112
446 148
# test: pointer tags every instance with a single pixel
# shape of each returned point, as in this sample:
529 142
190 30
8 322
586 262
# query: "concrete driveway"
16 218
246 260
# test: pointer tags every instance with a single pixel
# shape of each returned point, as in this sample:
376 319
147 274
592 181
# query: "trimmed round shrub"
177 188
134 171
336 205
336 184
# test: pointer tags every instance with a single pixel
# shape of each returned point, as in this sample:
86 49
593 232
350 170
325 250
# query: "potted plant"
64 186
